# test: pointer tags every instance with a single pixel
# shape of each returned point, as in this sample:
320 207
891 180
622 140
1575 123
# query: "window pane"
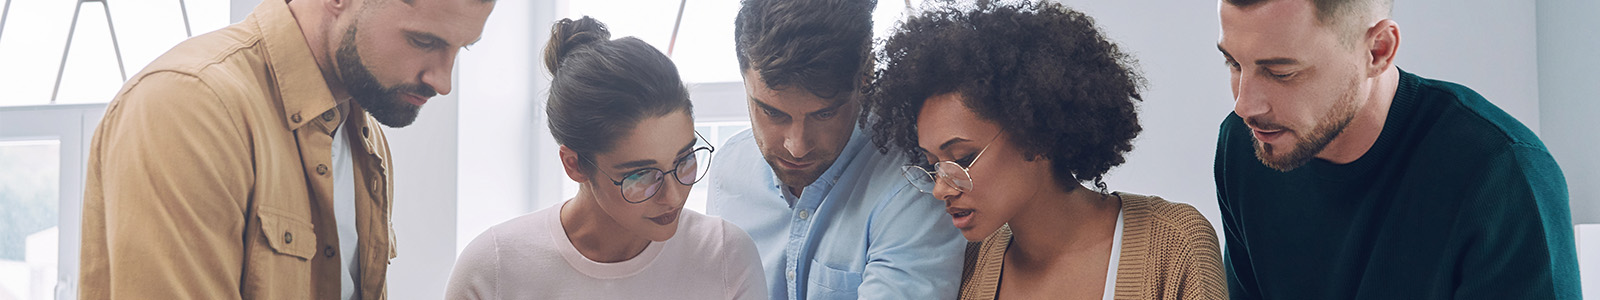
36 33
717 133
704 51
91 74
29 199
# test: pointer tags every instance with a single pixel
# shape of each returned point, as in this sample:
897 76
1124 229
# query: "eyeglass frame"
936 175
624 191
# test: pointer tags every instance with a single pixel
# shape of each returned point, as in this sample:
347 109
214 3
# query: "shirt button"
288 238
328 116
322 169
328 251
790 275
804 214
295 118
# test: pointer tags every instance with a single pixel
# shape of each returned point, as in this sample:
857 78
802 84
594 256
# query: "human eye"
424 43
824 115
1281 76
637 175
965 162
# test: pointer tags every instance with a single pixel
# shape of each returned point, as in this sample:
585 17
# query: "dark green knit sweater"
1456 199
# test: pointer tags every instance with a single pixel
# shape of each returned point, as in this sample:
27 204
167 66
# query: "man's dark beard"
1305 148
383 103
1308 145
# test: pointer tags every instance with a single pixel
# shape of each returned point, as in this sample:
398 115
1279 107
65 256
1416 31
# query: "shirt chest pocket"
288 236
826 282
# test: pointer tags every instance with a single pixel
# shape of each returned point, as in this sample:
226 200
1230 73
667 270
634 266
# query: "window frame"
73 125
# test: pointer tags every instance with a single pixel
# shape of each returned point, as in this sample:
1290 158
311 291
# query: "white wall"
425 172
502 89
1568 74
1456 41
1588 240
1569 103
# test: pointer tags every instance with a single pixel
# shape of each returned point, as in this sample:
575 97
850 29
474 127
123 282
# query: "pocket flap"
287 235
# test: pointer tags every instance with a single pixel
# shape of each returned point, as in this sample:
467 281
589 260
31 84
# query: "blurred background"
482 155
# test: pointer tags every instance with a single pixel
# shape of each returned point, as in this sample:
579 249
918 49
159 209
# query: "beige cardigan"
1169 251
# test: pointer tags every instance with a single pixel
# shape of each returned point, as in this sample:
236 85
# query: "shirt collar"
1401 109
858 139
300 85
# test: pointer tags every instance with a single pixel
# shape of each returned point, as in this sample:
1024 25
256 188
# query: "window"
42 150
704 49
29 190
44 128
33 35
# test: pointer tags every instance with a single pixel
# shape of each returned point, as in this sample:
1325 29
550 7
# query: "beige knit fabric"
1169 251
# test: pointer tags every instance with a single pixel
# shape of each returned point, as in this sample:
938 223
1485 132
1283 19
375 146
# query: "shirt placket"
375 244
316 146
796 239
800 230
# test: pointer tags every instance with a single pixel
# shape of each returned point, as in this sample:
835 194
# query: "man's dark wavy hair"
822 46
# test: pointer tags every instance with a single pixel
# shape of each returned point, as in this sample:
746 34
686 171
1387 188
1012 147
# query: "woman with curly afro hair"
1013 113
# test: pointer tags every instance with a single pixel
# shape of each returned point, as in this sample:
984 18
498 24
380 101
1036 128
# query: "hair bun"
568 35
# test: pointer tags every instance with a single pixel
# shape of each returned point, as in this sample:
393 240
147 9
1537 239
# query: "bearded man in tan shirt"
247 162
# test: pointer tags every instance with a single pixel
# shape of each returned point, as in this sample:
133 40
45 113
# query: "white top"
530 257
344 214
1116 256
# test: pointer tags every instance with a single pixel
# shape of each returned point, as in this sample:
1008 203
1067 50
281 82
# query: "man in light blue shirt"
830 214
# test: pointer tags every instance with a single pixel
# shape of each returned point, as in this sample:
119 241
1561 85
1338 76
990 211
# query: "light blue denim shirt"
859 231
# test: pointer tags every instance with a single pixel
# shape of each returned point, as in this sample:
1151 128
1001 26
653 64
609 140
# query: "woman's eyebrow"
649 162
952 141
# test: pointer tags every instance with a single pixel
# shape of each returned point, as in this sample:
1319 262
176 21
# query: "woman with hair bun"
626 130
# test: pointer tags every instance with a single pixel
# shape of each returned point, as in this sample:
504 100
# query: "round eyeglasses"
952 173
640 185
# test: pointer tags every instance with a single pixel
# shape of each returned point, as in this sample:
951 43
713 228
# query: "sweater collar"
1401 111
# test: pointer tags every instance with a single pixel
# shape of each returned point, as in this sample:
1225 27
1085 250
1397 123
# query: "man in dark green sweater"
1342 177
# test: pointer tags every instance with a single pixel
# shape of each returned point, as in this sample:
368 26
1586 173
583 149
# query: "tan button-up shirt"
208 177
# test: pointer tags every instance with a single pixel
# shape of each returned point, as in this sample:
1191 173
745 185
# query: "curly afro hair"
1040 71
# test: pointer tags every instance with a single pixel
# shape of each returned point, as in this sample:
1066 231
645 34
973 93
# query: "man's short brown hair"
822 46
1347 17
